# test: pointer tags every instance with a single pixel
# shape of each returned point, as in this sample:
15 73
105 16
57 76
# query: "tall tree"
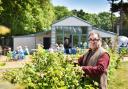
1 7
93 19
61 11
101 20
27 16
74 12
124 30
79 13
122 21
105 20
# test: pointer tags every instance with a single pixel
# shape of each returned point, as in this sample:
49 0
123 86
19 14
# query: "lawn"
120 78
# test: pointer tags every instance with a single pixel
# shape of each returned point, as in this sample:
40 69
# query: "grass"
120 78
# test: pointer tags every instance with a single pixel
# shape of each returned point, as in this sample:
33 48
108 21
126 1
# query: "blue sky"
90 6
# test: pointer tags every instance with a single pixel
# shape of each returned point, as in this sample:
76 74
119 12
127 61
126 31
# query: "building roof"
107 32
71 21
33 35
104 33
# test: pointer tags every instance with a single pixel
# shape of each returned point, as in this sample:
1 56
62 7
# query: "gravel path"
10 65
125 58
13 64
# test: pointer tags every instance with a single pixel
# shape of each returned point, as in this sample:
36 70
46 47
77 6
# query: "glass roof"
70 29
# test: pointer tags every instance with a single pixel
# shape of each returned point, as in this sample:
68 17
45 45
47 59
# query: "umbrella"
122 40
4 30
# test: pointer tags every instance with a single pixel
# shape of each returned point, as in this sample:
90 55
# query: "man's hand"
78 68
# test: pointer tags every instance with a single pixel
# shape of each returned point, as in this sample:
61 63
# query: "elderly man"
95 62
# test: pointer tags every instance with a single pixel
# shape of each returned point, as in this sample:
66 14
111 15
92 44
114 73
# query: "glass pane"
84 30
75 40
59 31
83 38
59 39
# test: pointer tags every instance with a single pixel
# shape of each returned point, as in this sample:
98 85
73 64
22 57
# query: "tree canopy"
61 11
26 16
101 20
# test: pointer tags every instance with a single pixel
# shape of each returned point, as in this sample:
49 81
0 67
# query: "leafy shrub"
114 62
53 71
47 71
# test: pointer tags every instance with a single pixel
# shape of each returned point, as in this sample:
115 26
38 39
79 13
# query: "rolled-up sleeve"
100 67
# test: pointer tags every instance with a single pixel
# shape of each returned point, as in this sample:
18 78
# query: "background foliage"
47 71
25 17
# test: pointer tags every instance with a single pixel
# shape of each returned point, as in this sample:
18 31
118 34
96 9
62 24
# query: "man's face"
94 41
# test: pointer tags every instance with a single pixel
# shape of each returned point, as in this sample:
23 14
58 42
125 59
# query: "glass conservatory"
72 28
76 30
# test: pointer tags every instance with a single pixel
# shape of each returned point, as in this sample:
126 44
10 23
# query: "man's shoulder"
105 55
